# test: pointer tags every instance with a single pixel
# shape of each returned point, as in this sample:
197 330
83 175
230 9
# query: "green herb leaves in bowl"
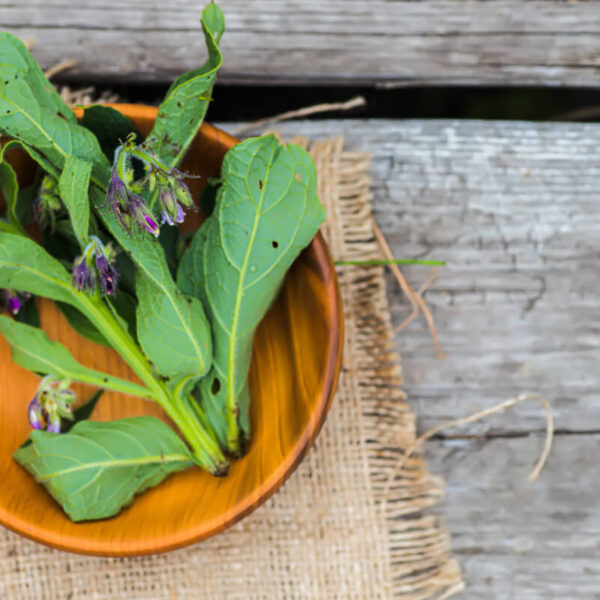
105 247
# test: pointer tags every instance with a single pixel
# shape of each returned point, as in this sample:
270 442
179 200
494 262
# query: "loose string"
535 472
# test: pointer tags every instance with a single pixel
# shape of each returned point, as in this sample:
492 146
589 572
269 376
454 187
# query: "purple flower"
13 301
128 207
108 275
172 212
84 277
34 413
95 264
54 424
124 194
52 401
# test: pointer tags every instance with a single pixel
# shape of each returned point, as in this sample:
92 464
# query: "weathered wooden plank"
511 207
381 42
516 540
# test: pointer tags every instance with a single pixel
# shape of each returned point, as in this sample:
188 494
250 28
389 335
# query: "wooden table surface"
509 205
380 42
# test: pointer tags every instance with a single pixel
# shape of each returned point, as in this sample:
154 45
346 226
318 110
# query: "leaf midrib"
119 463
240 288
180 316
58 282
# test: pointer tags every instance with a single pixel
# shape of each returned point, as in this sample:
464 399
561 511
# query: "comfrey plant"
95 235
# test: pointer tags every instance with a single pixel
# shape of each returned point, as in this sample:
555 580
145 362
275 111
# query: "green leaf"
14 53
27 267
109 126
161 315
6 227
73 187
32 349
172 330
184 107
97 468
39 158
10 191
32 112
267 211
49 134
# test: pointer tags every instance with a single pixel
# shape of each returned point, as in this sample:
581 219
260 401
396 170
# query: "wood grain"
296 362
382 43
512 209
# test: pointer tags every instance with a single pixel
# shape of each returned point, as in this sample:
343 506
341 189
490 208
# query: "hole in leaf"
260 184
215 386
275 244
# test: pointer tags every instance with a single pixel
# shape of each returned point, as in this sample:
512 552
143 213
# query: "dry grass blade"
302 112
59 67
415 299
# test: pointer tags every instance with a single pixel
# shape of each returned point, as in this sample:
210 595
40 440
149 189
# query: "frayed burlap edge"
420 562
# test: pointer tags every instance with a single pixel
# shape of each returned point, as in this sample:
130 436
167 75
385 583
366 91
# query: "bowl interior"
296 362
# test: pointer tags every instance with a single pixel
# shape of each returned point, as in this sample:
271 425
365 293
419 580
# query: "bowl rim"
321 256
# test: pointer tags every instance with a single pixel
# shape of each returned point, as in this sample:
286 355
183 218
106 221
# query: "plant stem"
116 384
206 449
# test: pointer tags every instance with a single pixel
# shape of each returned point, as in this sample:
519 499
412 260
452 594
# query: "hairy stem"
205 447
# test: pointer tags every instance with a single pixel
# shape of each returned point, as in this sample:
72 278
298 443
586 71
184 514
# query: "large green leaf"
73 187
172 330
96 469
13 52
32 349
267 211
31 112
184 107
26 267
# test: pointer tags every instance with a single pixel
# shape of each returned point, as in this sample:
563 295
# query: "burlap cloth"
329 532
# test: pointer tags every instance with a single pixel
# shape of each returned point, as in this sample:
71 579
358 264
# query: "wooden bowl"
295 367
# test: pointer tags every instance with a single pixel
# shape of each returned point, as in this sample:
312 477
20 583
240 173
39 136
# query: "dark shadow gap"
241 103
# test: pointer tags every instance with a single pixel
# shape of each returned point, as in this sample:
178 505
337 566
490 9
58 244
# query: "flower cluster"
161 182
95 265
52 402
13 301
